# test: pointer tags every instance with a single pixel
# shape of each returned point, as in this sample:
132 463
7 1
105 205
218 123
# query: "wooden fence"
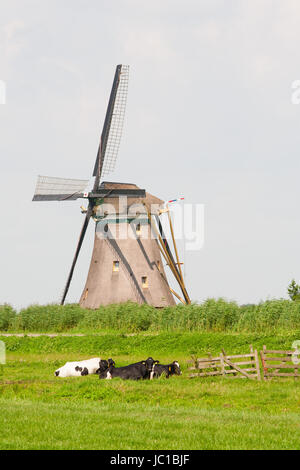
237 365
277 363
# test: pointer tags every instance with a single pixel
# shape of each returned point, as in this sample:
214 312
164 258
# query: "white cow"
76 369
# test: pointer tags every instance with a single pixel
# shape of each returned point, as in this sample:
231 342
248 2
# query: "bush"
7 317
49 317
211 315
129 316
270 315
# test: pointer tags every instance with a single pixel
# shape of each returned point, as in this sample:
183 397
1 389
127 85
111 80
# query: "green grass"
119 427
174 345
212 315
41 411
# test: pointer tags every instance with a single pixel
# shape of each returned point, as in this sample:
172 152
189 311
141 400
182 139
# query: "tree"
294 291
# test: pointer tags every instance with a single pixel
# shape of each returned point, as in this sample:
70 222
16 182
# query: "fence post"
257 365
223 351
222 364
262 356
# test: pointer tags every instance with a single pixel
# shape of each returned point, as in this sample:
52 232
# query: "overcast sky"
209 117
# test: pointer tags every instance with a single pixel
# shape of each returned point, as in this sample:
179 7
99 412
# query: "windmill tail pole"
166 244
170 262
172 266
170 288
178 271
174 243
176 295
172 269
176 253
175 246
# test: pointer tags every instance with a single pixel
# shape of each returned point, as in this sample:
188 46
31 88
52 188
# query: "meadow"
41 411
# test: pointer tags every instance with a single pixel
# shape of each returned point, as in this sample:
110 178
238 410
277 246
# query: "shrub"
49 317
211 315
7 317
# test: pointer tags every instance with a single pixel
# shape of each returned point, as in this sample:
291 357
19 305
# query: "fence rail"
234 366
280 364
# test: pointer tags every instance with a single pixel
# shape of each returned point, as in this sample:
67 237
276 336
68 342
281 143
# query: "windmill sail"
108 148
80 241
49 188
113 125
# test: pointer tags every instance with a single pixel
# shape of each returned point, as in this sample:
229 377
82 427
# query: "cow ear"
156 361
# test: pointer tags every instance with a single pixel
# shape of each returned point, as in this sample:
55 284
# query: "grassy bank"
167 344
41 411
212 315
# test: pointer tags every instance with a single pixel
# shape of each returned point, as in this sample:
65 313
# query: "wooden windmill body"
129 244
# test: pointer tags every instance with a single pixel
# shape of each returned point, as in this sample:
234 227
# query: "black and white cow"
103 367
137 371
147 367
168 369
78 368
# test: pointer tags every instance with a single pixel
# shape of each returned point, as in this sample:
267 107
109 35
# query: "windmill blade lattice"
111 146
49 188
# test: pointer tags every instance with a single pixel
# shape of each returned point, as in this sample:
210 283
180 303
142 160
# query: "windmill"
122 267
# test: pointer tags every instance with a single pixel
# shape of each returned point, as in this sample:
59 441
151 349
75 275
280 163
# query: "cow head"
103 366
111 363
149 363
176 368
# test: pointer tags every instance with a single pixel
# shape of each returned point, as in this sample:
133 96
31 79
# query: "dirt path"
51 335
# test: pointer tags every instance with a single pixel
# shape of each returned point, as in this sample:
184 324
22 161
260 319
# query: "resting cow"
136 371
168 369
103 367
78 368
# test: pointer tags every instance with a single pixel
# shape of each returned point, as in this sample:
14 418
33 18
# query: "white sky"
209 117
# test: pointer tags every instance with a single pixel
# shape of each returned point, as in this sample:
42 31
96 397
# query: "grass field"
40 411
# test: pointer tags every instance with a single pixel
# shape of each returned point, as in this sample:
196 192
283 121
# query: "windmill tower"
129 244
